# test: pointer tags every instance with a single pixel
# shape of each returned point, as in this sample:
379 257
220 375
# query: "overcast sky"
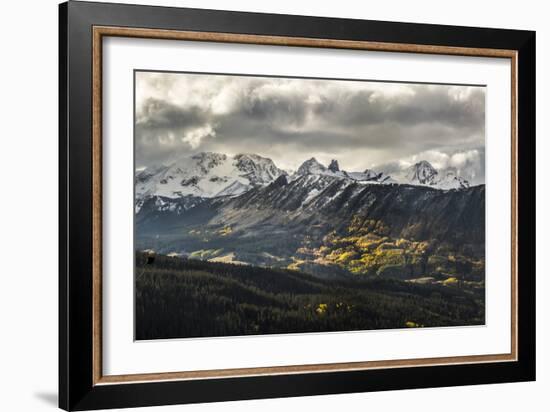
361 124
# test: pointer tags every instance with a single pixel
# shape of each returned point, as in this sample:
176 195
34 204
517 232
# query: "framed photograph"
256 206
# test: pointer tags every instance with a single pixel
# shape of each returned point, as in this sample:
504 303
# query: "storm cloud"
360 123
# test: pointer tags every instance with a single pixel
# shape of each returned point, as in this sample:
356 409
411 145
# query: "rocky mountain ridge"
211 175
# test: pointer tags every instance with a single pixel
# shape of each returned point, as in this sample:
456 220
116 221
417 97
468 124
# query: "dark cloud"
275 110
161 128
159 115
364 123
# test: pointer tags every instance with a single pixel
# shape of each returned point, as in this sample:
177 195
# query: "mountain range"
208 175
421 224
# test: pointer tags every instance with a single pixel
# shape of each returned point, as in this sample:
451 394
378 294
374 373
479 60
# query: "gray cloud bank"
361 124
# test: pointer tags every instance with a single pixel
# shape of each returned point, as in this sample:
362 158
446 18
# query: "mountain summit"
421 173
206 175
311 167
257 169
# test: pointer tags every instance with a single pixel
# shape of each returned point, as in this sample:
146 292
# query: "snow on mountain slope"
424 174
371 176
449 179
313 167
234 189
292 194
421 173
258 170
206 175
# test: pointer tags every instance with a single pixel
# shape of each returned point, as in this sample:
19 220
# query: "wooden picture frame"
82 384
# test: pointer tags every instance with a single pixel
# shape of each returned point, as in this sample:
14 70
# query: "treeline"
178 298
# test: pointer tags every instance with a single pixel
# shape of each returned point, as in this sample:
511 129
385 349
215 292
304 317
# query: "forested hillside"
179 297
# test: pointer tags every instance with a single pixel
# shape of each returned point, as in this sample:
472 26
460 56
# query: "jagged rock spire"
333 167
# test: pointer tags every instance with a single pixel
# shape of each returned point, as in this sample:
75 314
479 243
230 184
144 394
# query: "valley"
243 247
325 223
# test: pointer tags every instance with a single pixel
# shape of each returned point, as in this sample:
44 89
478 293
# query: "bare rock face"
280 181
333 167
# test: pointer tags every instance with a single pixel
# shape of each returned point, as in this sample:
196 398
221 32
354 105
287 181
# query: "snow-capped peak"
207 174
421 173
424 174
257 169
311 167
